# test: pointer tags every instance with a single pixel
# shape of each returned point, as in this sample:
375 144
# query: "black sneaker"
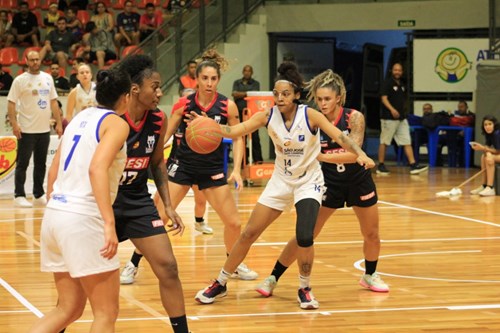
382 170
415 169
210 293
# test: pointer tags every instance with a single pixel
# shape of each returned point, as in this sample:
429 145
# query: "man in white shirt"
35 95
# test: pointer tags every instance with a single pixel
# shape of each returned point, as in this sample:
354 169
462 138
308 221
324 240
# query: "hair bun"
286 67
102 75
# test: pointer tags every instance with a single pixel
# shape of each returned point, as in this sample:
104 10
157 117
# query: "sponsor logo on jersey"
218 176
136 145
217 119
42 104
367 196
60 197
150 144
334 151
287 143
157 223
302 138
137 163
293 151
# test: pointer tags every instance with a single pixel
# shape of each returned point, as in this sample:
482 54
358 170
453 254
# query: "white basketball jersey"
296 147
72 188
84 99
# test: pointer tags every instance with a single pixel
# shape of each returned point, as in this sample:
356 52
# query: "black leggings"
307 214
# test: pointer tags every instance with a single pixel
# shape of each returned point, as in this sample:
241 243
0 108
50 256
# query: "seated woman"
491 130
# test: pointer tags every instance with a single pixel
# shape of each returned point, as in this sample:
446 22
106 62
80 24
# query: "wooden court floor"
440 256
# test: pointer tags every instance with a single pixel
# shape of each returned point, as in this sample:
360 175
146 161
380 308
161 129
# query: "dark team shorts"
179 174
338 195
136 216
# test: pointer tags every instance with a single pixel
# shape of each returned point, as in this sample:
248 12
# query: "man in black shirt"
59 44
394 124
60 82
25 26
240 88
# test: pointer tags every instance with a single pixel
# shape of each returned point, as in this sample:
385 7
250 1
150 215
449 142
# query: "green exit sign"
406 23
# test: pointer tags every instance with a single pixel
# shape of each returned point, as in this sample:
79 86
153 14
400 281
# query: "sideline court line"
21 298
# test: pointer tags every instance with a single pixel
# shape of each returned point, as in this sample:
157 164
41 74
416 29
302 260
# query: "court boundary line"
439 213
321 312
21 298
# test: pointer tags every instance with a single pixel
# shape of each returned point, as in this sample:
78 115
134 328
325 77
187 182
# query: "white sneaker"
477 190
42 201
266 288
244 273
203 228
22 202
128 273
487 192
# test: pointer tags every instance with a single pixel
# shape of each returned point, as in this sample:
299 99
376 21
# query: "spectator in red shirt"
149 22
188 80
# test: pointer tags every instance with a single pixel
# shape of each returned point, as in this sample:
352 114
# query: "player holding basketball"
137 218
188 168
78 237
297 179
346 182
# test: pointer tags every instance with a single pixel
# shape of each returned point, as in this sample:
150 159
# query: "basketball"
7 145
203 135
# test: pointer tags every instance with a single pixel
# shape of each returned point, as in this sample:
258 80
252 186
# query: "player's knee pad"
307 213
305 241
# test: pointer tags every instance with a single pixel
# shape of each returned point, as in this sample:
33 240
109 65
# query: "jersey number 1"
76 139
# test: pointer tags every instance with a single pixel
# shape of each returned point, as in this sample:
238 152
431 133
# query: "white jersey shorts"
71 243
280 194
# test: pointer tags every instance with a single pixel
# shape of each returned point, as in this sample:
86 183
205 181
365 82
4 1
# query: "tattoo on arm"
350 144
357 125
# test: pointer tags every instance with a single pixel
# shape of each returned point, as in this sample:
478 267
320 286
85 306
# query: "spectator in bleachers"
127 24
59 44
73 78
6 37
98 45
103 18
150 21
73 23
25 26
5 82
427 110
455 139
188 80
240 88
51 18
80 4
61 83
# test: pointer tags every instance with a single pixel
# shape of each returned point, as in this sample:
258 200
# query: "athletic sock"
199 219
370 266
304 281
179 324
278 270
136 258
223 277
